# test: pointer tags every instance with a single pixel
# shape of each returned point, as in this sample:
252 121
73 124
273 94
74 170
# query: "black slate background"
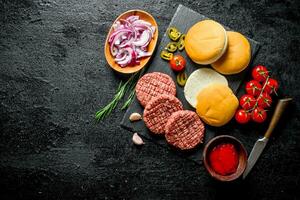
53 77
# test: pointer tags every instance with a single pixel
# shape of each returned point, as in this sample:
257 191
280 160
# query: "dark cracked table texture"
53 77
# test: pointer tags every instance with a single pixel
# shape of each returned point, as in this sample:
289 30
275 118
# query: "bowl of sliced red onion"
131 41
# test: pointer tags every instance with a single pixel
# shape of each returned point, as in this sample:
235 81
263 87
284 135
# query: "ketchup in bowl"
224 159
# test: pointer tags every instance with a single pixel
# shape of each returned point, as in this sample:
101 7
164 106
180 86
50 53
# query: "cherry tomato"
271 86
264 100
253 88
177 63
260 73
242 116
259 115
247 101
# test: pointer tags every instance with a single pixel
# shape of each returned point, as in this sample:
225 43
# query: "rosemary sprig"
132 90
129 100
121 91
103 112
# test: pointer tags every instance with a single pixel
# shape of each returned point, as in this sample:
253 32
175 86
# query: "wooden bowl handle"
280 107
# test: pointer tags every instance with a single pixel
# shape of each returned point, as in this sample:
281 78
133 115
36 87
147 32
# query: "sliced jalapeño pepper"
166 55
173 33
171 47
180 43
181 78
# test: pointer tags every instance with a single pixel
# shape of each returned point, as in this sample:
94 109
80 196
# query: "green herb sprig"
122 90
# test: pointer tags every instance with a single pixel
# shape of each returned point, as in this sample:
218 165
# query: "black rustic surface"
53 77
183 19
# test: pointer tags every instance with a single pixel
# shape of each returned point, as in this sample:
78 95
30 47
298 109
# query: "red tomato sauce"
224 159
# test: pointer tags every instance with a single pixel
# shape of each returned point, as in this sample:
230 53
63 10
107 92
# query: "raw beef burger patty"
153 84
158 110
184 129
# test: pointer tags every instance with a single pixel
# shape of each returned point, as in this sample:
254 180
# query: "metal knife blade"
261 143
255 153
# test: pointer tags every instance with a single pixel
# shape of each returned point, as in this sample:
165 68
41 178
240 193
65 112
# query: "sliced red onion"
117 40
127 43
141 53
112 36
116 25
133 60
128 58
130 39
124 37
120 55
127 39
113 50
143 24
140 21
126 22
121 58
144 39
132 18
143 48
144 27
153 30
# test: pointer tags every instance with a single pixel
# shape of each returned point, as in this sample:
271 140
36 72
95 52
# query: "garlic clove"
137 140
135 117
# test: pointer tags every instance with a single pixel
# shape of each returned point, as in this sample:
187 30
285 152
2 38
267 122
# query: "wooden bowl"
151 47
241 152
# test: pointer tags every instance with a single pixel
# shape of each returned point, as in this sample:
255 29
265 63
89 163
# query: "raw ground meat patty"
184 129
158 110
152 84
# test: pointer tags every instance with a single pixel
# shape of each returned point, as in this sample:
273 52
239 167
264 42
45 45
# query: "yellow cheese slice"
198 80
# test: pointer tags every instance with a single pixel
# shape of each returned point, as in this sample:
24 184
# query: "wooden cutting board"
183 19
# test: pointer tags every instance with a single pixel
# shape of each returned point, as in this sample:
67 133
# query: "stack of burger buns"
208 43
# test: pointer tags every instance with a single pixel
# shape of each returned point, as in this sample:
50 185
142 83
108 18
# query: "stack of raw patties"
164 114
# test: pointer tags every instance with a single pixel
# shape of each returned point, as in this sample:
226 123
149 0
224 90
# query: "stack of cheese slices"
208 43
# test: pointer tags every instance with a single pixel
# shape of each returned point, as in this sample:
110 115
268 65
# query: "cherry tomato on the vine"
264 100
260 73
253 88
271 86
259 115
242 116
247 101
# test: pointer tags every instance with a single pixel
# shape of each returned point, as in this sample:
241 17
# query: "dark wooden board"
183 19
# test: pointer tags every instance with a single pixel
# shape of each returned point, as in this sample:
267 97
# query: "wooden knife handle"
280 107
